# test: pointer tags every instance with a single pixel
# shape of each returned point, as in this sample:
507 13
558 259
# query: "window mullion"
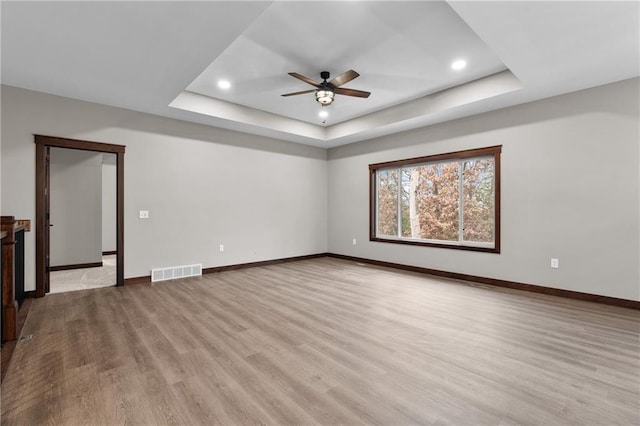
460 202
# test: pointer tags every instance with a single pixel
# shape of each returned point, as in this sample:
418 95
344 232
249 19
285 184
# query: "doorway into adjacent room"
83 219
78 184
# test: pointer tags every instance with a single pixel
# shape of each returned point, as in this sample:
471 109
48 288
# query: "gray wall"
262 198
109 202
570 185
76 207
1 211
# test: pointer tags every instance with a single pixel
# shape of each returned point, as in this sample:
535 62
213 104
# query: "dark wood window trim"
494 151
42 144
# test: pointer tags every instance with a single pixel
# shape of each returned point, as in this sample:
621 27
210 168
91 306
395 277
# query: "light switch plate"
144 214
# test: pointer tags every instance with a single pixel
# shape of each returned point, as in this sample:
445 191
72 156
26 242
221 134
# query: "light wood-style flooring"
322 341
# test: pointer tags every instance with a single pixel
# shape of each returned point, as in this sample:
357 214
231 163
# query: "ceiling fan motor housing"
326 90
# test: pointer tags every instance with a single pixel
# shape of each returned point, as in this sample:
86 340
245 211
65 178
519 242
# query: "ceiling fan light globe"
325 97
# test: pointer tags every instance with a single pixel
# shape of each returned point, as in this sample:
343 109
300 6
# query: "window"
447 200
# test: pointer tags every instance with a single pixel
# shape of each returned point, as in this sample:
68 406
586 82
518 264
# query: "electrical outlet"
354 241
221 248
144 214
555 264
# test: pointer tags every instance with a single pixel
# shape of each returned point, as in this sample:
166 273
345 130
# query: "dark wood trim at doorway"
43 143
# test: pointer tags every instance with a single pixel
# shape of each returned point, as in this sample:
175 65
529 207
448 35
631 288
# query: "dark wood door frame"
42 145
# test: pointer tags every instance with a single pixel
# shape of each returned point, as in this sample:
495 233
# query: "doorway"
82 220
44 144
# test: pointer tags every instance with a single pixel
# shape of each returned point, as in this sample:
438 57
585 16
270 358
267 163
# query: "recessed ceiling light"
323 114
459 64
224 84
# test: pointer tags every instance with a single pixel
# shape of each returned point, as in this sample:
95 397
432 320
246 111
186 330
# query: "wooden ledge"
17 225
23 224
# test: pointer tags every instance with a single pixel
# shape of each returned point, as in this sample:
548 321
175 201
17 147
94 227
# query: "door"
47 215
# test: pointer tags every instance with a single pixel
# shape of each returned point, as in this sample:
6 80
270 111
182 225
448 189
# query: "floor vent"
175 272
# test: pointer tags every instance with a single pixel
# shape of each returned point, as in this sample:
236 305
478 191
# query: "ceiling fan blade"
299 93
352 92
305 79
343 78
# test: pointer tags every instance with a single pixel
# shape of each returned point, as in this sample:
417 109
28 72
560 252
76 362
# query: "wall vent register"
175 272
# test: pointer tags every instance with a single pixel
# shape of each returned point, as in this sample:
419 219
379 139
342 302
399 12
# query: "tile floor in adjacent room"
85 278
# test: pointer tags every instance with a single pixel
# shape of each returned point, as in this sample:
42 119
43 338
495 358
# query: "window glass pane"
435 190
405 176
478 191
387 186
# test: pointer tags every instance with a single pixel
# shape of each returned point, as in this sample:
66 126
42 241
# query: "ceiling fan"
326 91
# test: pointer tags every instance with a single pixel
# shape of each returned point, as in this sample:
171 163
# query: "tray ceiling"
166 58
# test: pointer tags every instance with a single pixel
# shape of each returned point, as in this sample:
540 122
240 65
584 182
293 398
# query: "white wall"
570 168
109 206
262 198
75 207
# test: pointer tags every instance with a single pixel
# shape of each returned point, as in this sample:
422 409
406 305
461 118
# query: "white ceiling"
407 56
165 58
